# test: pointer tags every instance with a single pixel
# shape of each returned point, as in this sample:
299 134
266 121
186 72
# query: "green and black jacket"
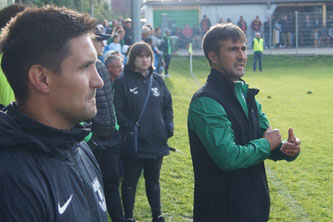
226 125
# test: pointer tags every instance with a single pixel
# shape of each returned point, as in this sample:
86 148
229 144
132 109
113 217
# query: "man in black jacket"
155 127
106 140
230 136
46 172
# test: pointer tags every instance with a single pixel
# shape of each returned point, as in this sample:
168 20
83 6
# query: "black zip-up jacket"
157 121
103 125
240 195
46 174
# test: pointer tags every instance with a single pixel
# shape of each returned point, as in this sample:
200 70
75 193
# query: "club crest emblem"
99 194
155 92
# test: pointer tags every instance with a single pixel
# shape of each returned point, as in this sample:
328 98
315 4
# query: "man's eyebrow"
87 63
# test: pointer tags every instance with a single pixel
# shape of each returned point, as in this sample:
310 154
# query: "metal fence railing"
279 30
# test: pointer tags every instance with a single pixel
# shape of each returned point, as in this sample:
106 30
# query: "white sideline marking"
283 191
196 80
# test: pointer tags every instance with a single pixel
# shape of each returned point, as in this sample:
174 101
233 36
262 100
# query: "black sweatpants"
167 59
109 162
132 172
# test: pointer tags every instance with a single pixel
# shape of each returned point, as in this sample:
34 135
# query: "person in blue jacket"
47 172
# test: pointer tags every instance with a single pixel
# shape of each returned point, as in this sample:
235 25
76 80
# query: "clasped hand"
290 148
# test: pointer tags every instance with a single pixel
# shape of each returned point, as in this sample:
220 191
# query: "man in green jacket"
230 136
6 92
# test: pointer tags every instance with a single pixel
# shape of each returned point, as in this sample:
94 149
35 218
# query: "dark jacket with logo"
47 174
236 195
103 125
157 121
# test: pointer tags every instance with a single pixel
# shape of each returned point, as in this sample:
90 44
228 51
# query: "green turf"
301 190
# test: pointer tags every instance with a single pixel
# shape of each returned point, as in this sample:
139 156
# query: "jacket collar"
18 130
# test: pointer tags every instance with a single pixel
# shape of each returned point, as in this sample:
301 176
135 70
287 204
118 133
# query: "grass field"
301 190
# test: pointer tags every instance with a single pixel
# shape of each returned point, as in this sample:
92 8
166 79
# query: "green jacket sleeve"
6 92
263 125
208 119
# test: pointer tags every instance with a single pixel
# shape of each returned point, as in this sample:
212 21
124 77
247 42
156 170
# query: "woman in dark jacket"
155 127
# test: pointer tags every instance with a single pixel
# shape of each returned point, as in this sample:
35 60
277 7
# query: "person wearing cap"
166 48
258 48
128 32
106 140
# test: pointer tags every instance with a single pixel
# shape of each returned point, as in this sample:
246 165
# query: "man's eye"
86 67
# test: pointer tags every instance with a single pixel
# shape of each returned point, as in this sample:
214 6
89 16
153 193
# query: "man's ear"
213 58
39 78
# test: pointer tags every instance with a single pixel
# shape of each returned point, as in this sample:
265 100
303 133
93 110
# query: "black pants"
167 59
257 56
132 172
110 166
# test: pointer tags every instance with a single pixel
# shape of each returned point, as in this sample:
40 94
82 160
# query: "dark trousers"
257 56
132 172
110 166
167 59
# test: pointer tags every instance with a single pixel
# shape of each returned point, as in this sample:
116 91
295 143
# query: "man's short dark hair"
212 40
138 49
9 12
39 36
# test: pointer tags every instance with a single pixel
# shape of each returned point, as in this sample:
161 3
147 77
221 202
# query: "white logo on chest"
62 209
134 90
155 92
99 194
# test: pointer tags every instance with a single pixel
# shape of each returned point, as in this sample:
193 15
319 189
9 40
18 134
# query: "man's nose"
96 81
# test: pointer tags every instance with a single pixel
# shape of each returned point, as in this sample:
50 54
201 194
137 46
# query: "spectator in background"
106 27
221 21
166 48
151 28
157 55
157 37
307 31
316 27
229 21
145 32
258 48
6 92
154 130
268 32
256 26
323 35
329 21
285 30
114 24
277 33
115 45
330 35
196 37
187 34
114 65
242 24
128 38
205 24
